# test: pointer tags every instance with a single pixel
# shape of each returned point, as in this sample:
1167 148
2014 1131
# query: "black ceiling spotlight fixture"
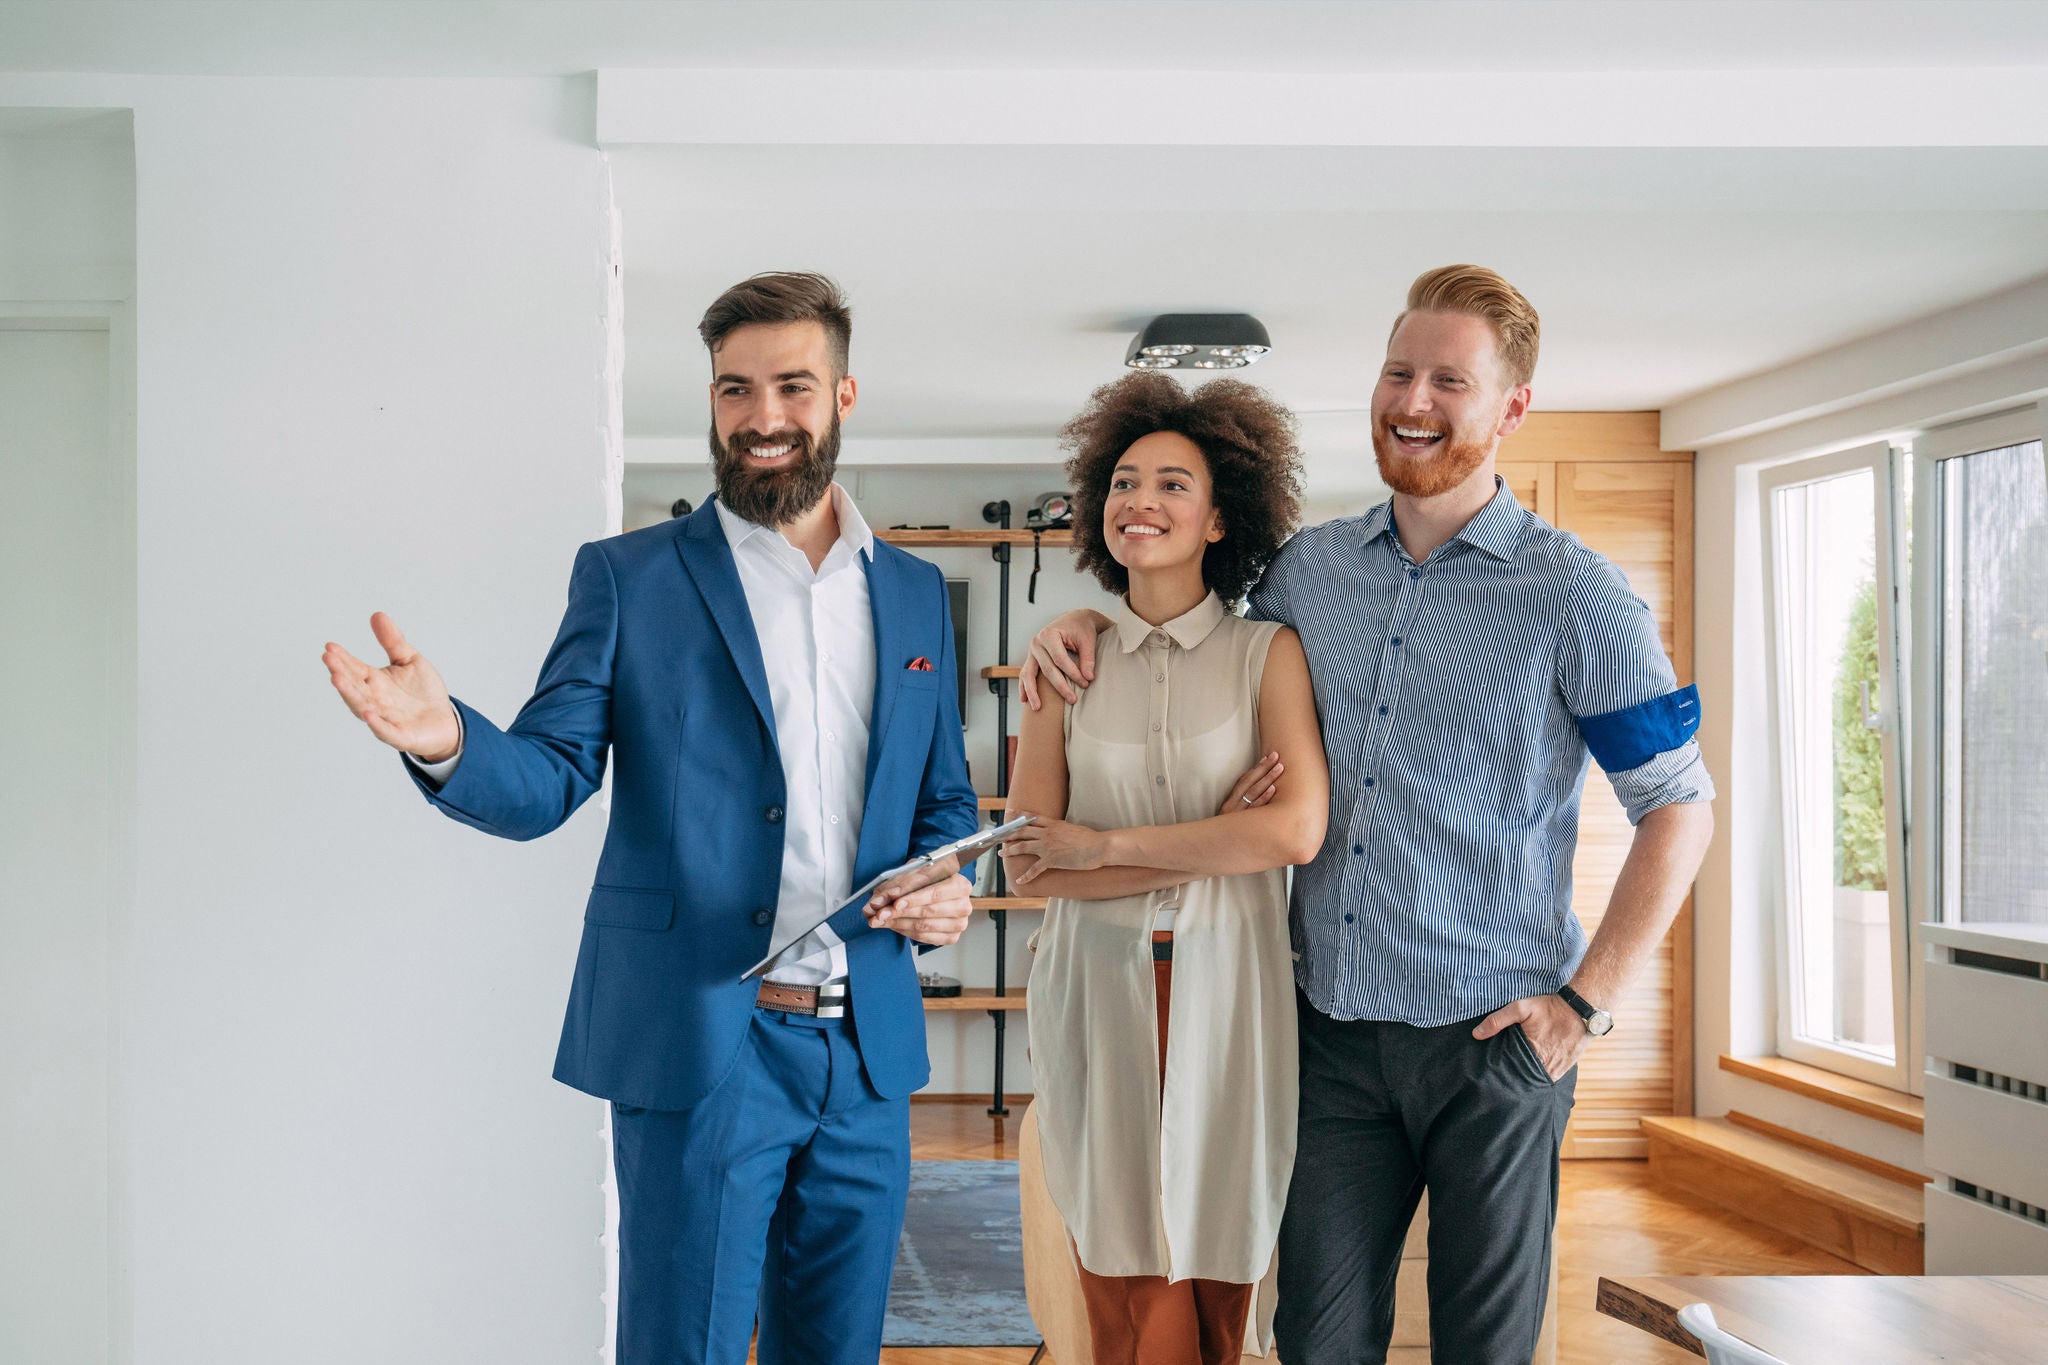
1199 341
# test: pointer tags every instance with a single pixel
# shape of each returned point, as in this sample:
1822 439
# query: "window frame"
1928 888
1884 462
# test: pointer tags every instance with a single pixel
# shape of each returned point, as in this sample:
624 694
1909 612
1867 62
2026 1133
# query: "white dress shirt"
818 648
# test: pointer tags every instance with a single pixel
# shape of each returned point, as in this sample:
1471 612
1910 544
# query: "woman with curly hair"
1168 802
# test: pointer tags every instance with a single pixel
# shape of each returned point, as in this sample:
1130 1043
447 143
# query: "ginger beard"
1426 474
774 496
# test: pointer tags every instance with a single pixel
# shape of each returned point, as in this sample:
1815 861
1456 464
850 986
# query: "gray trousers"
1388 1110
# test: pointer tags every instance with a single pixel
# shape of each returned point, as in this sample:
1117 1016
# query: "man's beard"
1426 476
774 497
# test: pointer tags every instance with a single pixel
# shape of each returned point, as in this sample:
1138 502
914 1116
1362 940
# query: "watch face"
1600 1024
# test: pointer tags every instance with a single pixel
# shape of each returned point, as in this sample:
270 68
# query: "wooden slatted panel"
1534 484
1638 514
1584 437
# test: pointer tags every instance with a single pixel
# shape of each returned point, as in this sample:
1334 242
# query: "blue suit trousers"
778 1196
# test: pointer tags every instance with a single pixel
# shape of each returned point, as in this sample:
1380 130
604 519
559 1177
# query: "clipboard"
964 849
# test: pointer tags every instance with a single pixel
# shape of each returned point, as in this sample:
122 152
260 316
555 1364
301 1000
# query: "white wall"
370 350
67 213
67 615
63 810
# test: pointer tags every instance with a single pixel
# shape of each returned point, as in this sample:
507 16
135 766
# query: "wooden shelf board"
976 998
1003 671
1858 1097
992 802
1009 902
932 539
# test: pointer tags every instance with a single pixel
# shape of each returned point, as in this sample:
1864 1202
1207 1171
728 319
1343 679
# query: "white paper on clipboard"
963 849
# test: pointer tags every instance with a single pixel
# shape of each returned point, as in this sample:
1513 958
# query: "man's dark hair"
782 296
1246 438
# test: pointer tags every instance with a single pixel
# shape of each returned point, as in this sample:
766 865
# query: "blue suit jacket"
657 661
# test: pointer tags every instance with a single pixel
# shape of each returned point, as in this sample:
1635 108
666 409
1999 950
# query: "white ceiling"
994 286
519 37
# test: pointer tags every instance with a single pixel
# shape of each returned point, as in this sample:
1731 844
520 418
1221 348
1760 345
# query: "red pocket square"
921 664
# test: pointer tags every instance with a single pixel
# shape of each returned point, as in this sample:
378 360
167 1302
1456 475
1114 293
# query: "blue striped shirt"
1459 699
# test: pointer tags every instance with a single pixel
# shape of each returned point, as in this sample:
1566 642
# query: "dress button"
1397 639
1347 919
1415 573
1158 781
1368 782
773 815
1158 677
1383 710
764 918
1358 849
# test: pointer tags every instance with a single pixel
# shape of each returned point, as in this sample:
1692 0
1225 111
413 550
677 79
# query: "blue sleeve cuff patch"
1634 735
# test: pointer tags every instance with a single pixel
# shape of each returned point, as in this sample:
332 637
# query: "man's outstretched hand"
404 703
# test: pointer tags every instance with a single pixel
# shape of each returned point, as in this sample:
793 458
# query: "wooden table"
1850 1319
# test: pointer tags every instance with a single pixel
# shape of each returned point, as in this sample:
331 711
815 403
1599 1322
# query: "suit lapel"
884 587
708 559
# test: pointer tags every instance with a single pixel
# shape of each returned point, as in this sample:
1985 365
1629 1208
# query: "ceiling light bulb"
1153 362
1249 353
1167 350
1220 363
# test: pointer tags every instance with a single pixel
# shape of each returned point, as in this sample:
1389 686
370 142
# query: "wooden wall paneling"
1589 438
1534 484
1639 514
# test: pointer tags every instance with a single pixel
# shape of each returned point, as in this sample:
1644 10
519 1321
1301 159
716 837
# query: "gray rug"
959 1278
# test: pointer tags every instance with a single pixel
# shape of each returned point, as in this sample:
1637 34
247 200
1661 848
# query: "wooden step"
1855 1214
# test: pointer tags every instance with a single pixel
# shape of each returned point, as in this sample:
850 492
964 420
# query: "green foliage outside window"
1859 756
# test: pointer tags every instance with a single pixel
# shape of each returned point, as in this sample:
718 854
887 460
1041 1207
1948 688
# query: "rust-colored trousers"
1143 1320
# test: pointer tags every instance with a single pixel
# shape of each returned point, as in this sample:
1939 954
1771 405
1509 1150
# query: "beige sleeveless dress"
1188 1184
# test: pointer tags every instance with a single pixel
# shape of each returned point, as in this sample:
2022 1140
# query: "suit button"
773 814
764 918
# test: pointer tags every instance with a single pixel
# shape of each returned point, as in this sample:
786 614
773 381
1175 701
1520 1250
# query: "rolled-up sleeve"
1617 683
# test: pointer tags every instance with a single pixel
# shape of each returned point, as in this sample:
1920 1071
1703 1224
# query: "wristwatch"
1599 1023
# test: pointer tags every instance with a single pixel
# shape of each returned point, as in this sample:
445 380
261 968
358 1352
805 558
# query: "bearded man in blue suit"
776 689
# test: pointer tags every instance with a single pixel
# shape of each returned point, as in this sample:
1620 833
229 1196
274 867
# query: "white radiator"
1987 1098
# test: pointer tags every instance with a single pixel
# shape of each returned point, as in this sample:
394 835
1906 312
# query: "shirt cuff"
439 773
1669 779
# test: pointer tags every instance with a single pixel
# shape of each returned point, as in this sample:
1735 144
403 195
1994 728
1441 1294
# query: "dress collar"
1187 630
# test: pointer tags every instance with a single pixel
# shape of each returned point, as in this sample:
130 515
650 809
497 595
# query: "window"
1988 850
1830 527
1858 864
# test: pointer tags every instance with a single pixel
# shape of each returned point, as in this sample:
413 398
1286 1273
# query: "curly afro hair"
1247 439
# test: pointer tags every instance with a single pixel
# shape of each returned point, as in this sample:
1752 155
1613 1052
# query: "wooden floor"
1610 1221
